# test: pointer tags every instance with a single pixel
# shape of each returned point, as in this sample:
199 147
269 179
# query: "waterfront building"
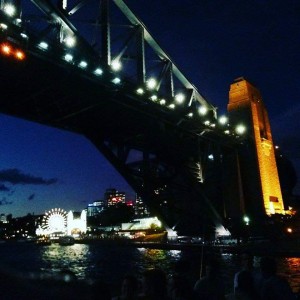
76 223
113 197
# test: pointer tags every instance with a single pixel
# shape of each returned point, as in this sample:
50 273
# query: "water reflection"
75 258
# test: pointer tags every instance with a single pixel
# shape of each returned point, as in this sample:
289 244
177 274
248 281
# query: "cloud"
31 197
4 188
15 176
3 201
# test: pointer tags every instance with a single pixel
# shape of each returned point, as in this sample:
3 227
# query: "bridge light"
206 123
179 98
151 83
98 72
83 64
140 91
210 157
289 230
68 57
202 110
43 45
223 120
24 35
70 41
153 97
162 102
246 220
240 129
116 80
116 65
19 54
190 114
3 26
227 131
10 10
172 106
6 49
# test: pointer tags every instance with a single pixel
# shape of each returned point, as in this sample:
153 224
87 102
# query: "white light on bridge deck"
98 71
83 64
24 35
68 57
116 80
190 114
179 98
116 65
10 10
153 97
70 41
43 45
202 110
226 131
223 120
172 106
240 129
3 26
140 91
162 102
151 83
206 123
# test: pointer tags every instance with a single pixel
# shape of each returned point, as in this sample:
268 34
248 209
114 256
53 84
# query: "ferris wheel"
55 220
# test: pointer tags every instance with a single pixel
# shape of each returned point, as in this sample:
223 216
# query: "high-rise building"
113 197
95 208
140 208
261 187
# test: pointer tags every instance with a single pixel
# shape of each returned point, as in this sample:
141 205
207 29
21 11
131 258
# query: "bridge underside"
179 171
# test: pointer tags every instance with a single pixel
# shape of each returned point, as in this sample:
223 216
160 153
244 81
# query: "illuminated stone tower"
262 192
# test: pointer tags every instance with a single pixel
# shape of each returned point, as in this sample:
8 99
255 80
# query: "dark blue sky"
212 43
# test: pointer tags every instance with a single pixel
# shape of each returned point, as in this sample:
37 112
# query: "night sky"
212 43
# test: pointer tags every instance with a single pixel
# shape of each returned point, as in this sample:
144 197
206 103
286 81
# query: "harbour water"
109 263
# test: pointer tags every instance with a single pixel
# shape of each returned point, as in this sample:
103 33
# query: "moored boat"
66 240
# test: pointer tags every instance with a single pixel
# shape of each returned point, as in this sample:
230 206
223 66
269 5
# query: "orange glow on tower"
245 101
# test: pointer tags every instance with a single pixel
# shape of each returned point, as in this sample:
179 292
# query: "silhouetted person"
154 285
129 290
179 288
210 286
244 289
273 287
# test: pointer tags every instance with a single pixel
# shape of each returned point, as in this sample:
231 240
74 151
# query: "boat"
43 241
66 240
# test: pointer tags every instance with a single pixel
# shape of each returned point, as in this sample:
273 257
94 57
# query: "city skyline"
212 44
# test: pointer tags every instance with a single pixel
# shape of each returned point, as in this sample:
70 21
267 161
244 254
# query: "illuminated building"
140 209
261 187
76 223
57 222
113 197
95 208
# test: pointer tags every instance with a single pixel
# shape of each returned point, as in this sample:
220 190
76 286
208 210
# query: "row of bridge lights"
151 84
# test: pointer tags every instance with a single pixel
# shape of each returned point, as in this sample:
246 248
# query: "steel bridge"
94 69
